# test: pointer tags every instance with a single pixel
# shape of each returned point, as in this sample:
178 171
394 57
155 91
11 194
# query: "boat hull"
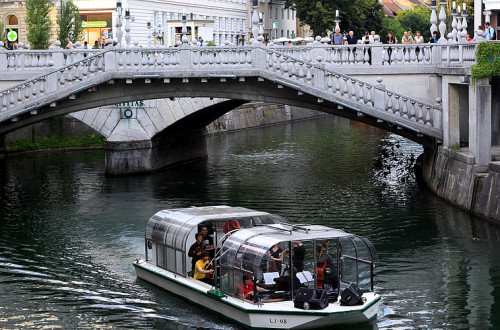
277 315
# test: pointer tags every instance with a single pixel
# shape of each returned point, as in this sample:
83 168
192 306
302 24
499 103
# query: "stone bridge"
313 76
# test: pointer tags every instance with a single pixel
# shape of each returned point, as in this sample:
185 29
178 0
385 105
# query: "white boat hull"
276 315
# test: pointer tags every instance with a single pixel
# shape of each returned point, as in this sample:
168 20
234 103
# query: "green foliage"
211 44
39 23
70 23
356 15
3 37
391 25
416 19
488 62
55 142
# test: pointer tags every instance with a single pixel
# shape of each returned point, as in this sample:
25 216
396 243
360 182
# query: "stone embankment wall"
258 114
452 175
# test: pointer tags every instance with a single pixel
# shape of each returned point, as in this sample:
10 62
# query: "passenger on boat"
298 256
326 280
230 225
208 241
200 269
276 256
196 249
283 282
245 289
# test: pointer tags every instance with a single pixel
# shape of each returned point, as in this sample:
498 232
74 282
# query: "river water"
69 234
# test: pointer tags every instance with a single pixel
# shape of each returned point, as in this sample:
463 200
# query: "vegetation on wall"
39 23
3 37
487 62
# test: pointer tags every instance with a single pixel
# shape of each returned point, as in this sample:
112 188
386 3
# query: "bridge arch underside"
252 89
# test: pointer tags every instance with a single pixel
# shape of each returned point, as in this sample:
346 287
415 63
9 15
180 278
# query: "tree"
416 19
39 23
3 37
70 23
356 15
391 25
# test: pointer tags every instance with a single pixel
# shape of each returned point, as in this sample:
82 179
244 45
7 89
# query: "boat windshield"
280 259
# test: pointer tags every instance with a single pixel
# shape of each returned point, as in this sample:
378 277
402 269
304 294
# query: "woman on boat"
298 256
276 256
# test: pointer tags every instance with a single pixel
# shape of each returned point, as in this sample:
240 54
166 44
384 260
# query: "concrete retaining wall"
453 176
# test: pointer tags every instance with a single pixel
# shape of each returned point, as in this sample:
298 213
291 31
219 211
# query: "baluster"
34 90
78 73
309 75
336 56
61 78
19 61
413 112
11 62
397 106
359 55
42 86
345 91
428 117
405 108
249 57
420 113
92 68
151 58
69 77
85 69
421 55
270 61
351 55
4 102
361 93
406 51
389 103
27 93
278 64
19 94
285 66
293 69
345 55
330 83
328 55
34 60
11 99
369 95
43 60
366 58
400 55
301 72
386 56
337 84
144 61
413 55
121 59
129 57
353 90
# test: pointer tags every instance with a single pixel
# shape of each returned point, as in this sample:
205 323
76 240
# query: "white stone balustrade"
311 73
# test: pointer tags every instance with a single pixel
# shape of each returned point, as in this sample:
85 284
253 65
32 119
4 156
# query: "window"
282 33
293 13
13 20
270 11
276 12
288 33
288 14
282 13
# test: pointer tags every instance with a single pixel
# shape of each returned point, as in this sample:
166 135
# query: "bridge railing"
26 96
349 88
186 61
360 55
38 60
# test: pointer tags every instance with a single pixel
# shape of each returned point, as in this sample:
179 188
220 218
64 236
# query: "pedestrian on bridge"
337 37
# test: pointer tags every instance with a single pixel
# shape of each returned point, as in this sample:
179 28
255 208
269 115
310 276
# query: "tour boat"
255 264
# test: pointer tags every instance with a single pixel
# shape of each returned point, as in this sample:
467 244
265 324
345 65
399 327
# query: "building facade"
277 21
13 17
214 21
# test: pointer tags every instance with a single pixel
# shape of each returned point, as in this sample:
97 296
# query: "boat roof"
172 226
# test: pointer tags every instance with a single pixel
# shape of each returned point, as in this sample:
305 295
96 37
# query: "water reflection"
69 234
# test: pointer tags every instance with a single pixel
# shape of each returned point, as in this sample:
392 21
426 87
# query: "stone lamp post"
454 21
148 25
337 20
433 17
128 36
442 24
255 21
184 28
464 21
119 22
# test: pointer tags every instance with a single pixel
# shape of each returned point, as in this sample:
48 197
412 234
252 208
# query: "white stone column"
480 121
